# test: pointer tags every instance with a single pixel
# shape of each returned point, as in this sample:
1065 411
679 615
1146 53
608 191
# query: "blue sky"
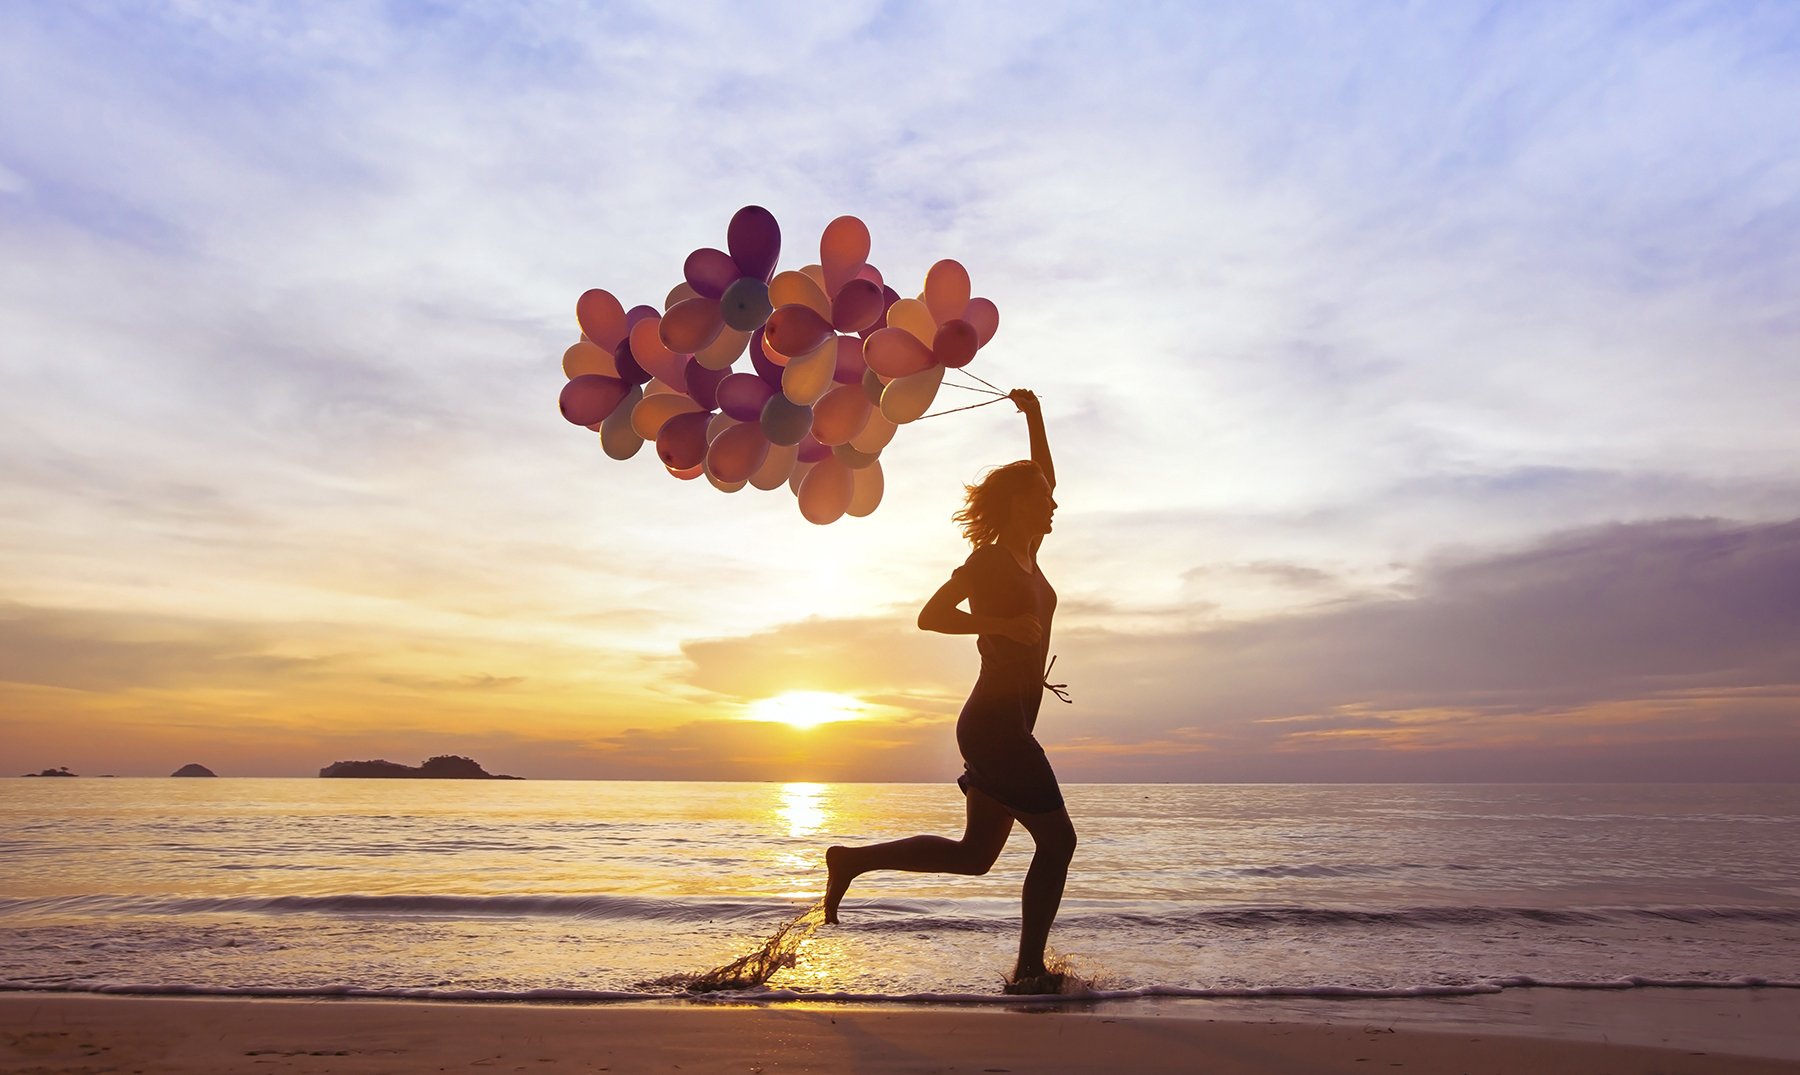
1332 310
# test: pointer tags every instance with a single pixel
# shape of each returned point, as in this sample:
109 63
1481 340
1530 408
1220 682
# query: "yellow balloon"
865 491
654 409
907 398
798 474
776 467
826 491
617 438
588 357
790 288
680 293
915 317
809 377
875 435
723 351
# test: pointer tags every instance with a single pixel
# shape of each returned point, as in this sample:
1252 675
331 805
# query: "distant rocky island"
59 771
442 767
195 769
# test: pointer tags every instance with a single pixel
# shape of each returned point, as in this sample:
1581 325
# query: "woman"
1006 777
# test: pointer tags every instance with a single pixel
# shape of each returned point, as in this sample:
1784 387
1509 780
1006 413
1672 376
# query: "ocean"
608 890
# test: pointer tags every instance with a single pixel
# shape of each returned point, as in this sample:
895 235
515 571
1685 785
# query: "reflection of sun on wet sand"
86 1035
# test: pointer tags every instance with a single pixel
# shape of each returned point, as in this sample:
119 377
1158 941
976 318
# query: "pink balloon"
737 451
601 317
857 305
895 352
754 240
681 443
870 273
742 395
638 313
709 272
985 316
702 384
588 399
840 414
955 343
691 324
796 330
850 363
825 492
811 451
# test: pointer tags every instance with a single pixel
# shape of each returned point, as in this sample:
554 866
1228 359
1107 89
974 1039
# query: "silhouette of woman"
1005 777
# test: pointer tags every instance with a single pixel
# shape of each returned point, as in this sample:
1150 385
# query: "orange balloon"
809 377
687 475
691 324
796 330
876 433
842 251
655 409
798 289
678 294
908 398
648 349
723 351
736 453
776 467
865 491
601 318
825 492
947 290
817 273
915 317
895 352
841 414
586 357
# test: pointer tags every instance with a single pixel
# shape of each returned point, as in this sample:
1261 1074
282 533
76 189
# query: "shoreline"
85 1034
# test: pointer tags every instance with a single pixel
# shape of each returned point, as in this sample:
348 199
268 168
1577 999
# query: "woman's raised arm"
1027 402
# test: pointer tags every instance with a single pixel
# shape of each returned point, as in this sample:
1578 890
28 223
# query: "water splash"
755 969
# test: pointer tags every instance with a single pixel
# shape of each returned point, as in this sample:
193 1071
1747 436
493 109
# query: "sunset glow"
806 709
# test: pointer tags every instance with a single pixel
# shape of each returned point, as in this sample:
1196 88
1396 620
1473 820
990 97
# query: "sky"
1421 381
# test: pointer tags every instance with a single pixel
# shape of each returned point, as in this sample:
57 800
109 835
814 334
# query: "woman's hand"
1023 629
1026 400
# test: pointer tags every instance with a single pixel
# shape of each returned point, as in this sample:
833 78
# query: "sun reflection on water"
803 809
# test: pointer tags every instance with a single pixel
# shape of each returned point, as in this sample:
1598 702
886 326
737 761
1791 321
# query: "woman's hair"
985 503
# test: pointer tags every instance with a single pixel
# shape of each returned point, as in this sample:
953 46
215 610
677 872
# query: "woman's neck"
1019 544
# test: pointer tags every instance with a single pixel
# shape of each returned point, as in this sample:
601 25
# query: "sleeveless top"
999 587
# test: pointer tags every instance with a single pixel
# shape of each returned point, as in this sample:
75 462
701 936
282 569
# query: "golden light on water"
802 809
806 709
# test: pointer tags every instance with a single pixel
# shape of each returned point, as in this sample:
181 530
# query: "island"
194 769
62 770
442 767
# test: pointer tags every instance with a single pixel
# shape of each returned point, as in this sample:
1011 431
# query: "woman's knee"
1056 837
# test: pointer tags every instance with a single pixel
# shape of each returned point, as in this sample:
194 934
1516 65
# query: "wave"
883 914
777 996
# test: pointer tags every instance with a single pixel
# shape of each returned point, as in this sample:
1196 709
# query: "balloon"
702 384
985 316
799 289
638 313
915 317
589 357
651 353
852 458
870 273
955 344
742 396
722 486
745 304
681 442
817 273
843 249
617 438
795 330
601 318
689 474
856 307
717 424
754 240
825 492
810 376
709 272
865 491
680 293
587 400
629 369
691 324
908 398
798 475
850 364
776 468
783 421
766 368
947 290
737 452
875 435
895 352
654 410
811 451
840 414
873 386
723 351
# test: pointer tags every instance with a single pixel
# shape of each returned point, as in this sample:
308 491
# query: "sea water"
559 889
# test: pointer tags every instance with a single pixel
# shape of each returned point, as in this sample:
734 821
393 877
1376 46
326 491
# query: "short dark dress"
1000 755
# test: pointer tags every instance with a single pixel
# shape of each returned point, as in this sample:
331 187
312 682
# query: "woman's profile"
1006 776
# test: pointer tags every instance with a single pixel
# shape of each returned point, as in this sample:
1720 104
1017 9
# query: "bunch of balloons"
838 362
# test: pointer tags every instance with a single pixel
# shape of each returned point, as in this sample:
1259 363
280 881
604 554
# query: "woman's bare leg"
1054 834
984 834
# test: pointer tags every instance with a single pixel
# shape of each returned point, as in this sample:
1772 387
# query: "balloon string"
972 388
965 372
970 407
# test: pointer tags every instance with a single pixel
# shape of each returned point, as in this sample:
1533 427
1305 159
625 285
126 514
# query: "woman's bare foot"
837 880
1034 984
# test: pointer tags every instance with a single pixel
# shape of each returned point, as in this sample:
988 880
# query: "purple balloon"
682 441
811 451
784 421
709 272
850 363
703 384
742 396
755 241
629 370
765 366
638 313
587 400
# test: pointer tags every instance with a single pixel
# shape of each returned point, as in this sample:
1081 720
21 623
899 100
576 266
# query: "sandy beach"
94 1034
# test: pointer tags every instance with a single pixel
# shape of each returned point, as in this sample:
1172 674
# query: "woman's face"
1033 506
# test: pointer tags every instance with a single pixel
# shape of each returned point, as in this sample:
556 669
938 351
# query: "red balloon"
796 330
588 399
895 352
742 395
754 240
811 451
709 272
737 451
601 317
955 343
703 384
850 362
681 443
857 305
691 324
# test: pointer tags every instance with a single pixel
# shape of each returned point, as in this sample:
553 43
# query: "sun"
806 709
